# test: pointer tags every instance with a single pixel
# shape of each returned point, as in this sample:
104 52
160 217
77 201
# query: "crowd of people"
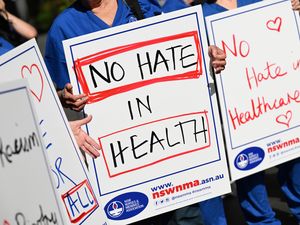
86 16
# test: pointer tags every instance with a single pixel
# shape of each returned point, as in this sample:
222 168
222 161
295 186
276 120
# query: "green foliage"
47 10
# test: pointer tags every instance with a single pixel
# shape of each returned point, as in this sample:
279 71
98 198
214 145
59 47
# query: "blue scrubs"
5 46
251 190
212 211
253 195
173 5
75 21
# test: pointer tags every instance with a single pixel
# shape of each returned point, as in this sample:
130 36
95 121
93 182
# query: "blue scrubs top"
75 21
173 5
208 9
5 46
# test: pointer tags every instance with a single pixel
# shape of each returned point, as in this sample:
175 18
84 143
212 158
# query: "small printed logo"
242 161
126 205
161 202
115 209
249 158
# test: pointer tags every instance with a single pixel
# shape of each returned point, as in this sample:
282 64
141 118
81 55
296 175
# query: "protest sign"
77 201
259 89
27 192
153 114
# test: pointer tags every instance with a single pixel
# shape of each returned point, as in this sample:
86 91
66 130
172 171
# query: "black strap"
197 2
135 8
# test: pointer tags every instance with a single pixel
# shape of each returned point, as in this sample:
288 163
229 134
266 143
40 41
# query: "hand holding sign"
217 57
68 100
295 5
84 141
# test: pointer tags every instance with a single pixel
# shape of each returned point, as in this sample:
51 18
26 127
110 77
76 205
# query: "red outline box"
74 189
160 160
100 95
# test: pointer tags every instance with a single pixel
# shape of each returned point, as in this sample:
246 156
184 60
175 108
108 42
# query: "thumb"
210 50
85 120
69 88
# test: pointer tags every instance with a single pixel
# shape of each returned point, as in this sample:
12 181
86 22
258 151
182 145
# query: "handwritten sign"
259 90
153 115
64 157
27 196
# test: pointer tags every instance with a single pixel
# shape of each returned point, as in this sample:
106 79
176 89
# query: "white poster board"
259 89
153 114
27 196
77 199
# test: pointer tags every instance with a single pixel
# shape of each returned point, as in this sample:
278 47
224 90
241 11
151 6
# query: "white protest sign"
27 196
77 200
259 89
153 114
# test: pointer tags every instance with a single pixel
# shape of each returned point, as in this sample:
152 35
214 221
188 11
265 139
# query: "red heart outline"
5 222
274 24
25 68
285 118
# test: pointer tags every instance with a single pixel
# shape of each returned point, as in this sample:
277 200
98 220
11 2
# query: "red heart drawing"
274 24
285 118
5 222
36 77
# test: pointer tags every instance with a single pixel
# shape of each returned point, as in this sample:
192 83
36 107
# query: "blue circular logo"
115 209
249 158
242 161
126 205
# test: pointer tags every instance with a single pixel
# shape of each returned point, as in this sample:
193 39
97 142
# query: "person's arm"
23 28
217 58
84 141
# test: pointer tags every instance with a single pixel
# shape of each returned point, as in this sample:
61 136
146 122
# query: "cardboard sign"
27 192
77 199
153 115
259 89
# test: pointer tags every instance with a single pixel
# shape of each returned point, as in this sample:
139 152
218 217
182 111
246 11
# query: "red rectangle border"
98 96
163 159
73 190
